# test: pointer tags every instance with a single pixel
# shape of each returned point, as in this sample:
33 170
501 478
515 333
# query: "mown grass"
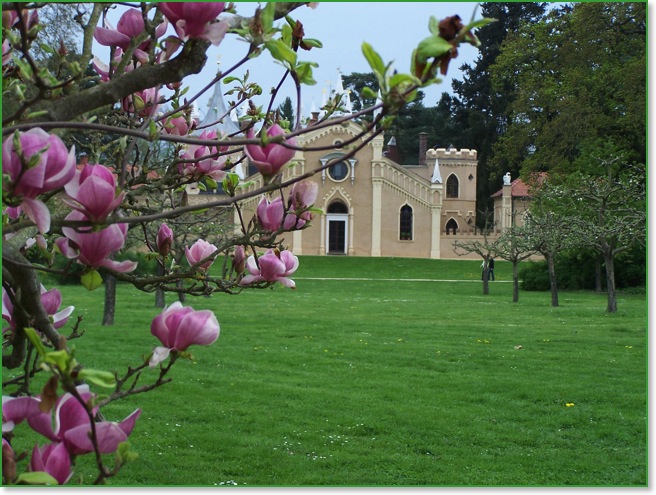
372 382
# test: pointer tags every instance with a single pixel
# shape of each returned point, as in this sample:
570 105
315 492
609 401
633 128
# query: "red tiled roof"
519 188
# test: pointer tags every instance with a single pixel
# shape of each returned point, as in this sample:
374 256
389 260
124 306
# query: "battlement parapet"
453 154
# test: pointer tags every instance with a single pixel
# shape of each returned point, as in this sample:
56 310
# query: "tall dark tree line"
479 109
578 85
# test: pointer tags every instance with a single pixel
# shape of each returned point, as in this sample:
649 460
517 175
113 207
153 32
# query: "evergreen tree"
480 109
286 111
578 81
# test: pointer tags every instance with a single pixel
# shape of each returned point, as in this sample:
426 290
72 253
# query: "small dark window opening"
451 227
337 207
452 186
405 227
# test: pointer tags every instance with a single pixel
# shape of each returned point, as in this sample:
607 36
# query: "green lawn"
378 382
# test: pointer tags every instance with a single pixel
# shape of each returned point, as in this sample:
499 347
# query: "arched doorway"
337 228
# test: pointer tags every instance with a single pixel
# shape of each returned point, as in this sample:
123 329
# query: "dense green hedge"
576 271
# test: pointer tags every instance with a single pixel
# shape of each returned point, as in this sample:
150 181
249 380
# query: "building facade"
373 206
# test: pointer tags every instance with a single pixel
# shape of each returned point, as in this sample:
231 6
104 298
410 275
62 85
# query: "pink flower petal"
159 355
38 212
215 32
108 37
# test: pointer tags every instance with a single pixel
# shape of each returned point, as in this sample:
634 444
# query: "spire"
345 95
218 110
379 99
437 176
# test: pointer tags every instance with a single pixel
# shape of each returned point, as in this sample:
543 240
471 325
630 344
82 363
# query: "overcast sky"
393 29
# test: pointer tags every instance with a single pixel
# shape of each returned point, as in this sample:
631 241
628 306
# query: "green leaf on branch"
98 377
35 340
36 478
48 49
312 42
434 26
245 185
91 280
124 454
369 93
432 47
281 52
61 360
267 15
375 61
152 130
304 73
230 183
287 34
211 183
480 23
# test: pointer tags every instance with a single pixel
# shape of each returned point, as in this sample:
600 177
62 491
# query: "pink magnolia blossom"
16 409
93 248
273 266
164 239
109 435
179 327
39 240
301 198
202 164
200 250
270 214
269 159
41 164
53 459
179 126
105 70
71 423
6 52
9 18
194 19
51 301
93 193
130 25
142 103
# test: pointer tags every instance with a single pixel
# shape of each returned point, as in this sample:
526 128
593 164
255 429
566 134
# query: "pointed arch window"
452 186
405 223
451 227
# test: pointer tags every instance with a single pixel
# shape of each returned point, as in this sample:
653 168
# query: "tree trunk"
610 283
598 287
515 281
552 280
486 278
182 297
160 295
110 300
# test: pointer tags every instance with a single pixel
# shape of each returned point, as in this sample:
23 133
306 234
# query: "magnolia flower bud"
164 240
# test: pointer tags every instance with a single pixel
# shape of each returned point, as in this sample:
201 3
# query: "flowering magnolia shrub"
125 109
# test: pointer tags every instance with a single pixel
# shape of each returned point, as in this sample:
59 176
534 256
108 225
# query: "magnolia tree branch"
28 310
191 60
